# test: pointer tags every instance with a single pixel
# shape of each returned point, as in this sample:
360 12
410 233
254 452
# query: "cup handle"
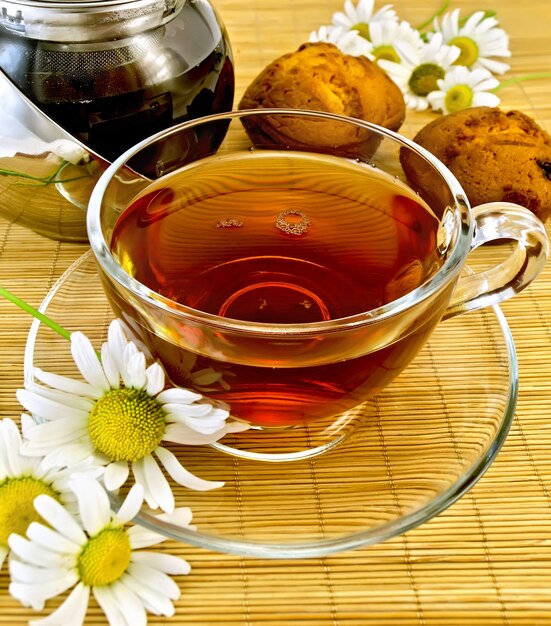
494 221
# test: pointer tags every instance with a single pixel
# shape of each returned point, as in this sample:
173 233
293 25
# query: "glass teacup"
284 264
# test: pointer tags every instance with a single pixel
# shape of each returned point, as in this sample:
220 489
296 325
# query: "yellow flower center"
16 505
469 50
104 558
386 52
363 30
424 78
126 424
458 97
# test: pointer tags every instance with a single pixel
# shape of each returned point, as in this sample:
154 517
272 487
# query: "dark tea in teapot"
114 72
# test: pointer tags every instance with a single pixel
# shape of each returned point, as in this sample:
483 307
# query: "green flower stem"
438 13
35 313
521 78
44 180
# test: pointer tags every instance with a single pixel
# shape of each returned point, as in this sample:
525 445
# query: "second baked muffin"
495 155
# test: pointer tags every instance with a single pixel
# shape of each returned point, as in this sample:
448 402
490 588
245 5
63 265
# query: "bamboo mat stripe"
487 559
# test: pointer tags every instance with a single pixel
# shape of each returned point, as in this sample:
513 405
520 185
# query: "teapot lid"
70 21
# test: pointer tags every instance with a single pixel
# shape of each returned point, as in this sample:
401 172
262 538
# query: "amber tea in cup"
282 238
293 282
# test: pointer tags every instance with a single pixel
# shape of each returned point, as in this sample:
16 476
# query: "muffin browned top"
318 76
495 155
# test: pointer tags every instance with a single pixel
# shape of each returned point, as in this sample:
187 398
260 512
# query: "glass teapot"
83 80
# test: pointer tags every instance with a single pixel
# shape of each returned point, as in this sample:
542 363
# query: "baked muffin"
495 155
318 76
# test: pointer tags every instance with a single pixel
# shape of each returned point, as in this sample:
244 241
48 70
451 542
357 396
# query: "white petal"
179 395
155 379
93 503
167 563
63 398
110 367
473 20
60 519
134 373
58 582
156 580
117 340
487 85
436 100
71 613
130 350
181 433
29 552
208 425
141 537
47 409
60 478
181 475
65 456
154 602
66 384
109 606
51 540
115 475
495 67
182 516
485 99
10 445
58 432
139 475
24 594
27 422
88 362
24 573
130 507
158 484
44 590
192 410
130 605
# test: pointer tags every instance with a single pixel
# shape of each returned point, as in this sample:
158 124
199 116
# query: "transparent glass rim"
449 270
319 548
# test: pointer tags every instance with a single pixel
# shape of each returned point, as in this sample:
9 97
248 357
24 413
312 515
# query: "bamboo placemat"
484 561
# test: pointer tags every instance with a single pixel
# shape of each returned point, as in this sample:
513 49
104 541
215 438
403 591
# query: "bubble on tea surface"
292 222
231 222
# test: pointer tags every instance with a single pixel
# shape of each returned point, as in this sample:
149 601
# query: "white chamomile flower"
22 479
478 38
359 17
186 363
388 36
97 554
463 88
121 415
347 41
420 69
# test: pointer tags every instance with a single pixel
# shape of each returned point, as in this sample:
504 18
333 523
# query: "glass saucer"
417 448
